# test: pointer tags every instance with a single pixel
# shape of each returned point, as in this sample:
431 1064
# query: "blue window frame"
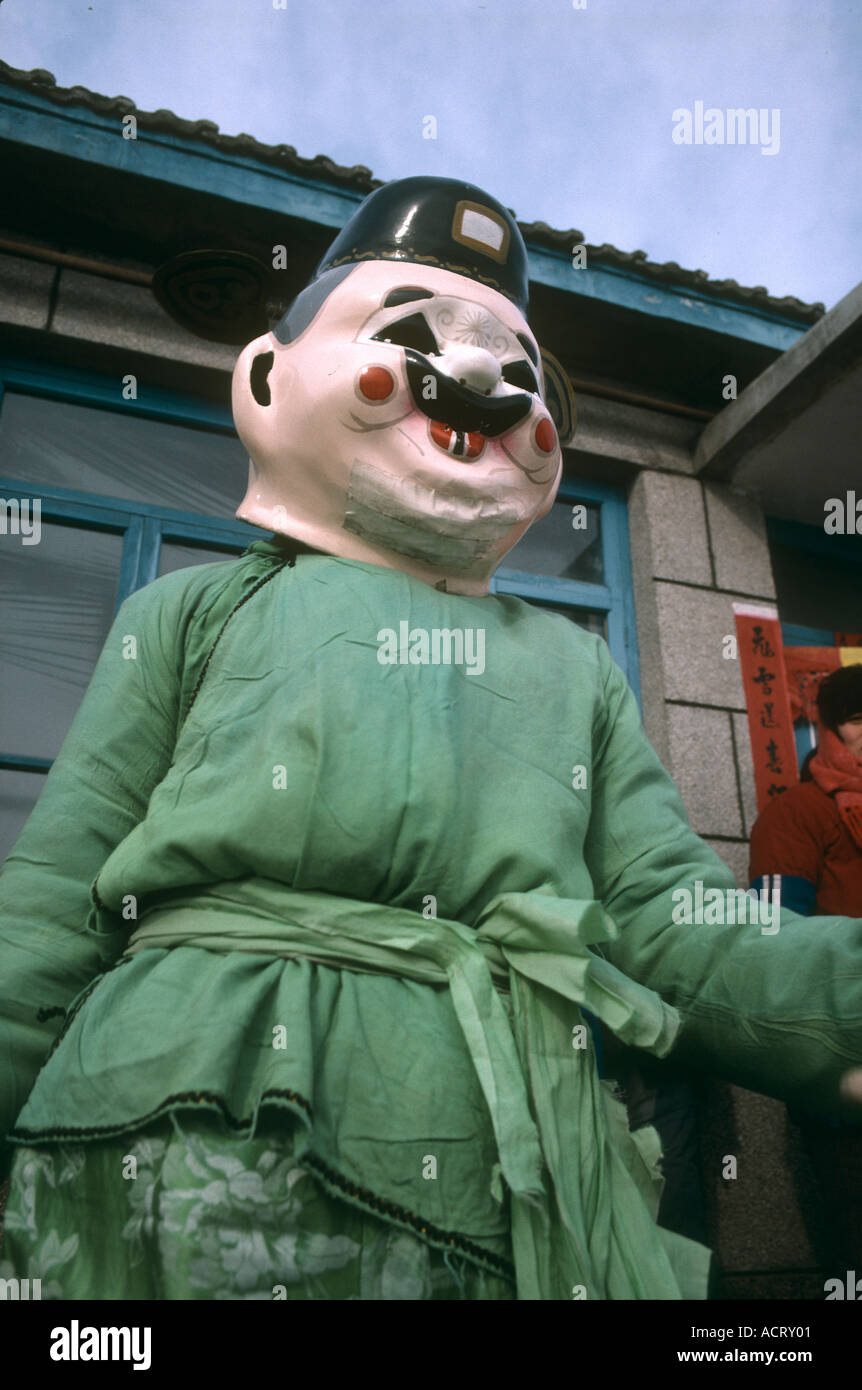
143 525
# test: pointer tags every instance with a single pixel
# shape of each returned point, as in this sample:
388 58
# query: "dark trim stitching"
43 1015
71 1015
199 1097
286 564
433 1234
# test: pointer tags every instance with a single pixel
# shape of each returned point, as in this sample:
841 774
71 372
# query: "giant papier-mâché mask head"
396 413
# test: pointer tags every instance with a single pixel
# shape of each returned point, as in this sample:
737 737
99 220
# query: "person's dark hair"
839 696
805 774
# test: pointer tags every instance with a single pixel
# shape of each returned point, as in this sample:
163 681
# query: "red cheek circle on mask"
545 436
375 383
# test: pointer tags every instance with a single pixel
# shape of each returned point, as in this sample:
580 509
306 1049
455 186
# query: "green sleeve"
119 747
778 1011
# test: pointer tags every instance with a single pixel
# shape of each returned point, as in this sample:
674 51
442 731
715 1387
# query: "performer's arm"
119 747
779 1012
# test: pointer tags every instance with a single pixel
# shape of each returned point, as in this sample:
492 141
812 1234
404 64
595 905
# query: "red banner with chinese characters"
764 681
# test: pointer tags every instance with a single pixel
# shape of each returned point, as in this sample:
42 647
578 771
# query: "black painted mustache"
459 407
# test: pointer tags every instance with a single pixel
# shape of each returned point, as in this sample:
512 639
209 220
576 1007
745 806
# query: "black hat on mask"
443 223
437 222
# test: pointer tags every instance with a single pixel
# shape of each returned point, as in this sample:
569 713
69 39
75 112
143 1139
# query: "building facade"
138 251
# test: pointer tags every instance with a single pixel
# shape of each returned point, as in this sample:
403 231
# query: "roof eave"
193 154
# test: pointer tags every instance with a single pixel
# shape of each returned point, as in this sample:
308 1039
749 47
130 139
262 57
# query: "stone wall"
100 311
696 548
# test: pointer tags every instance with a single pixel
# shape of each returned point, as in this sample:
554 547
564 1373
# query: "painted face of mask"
402 423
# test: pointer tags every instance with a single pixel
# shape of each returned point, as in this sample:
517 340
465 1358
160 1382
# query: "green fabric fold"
584 1190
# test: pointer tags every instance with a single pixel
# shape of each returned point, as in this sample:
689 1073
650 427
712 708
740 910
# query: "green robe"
244 774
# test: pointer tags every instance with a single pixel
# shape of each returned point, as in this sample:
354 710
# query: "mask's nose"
472 367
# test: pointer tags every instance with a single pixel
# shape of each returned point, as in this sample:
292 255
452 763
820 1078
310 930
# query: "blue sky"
565 114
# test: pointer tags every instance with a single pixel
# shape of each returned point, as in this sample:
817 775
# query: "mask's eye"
528 348
412 332
521 374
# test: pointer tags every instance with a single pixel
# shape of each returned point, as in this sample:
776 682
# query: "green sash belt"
584 1190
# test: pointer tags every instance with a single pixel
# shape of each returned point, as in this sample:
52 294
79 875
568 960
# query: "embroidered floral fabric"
187 1212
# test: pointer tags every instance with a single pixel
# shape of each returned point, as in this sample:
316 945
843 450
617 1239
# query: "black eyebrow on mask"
406 296
528 348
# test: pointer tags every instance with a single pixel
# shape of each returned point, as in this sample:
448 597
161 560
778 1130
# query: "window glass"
581 617
58 601
591 622
19 792
567 544
180 557
120 454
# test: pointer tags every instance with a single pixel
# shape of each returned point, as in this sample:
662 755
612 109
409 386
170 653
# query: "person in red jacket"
811 836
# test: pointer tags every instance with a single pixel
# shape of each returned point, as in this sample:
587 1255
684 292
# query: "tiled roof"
670 273
283 156
358 177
